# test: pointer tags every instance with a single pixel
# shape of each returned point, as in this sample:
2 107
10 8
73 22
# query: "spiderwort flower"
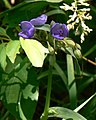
59 31
41 20
28 30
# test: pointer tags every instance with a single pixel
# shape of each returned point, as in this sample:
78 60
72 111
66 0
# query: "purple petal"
25 25
55 27
58 37
31 32
22 34
27 34
41 20
65 29
59 31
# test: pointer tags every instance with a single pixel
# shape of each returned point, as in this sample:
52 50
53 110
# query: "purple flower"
41 20
59 31
28 30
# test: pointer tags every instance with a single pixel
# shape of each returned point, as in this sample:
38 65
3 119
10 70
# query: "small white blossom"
82 37
77 20
66 7
83 2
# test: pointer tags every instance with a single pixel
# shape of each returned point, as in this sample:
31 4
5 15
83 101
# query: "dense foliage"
47 60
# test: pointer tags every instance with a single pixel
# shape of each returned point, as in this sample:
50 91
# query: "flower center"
60 32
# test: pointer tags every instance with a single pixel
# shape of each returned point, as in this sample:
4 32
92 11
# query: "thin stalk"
47 103
88 60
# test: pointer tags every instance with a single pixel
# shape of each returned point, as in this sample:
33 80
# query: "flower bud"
78 46
77 53
70 43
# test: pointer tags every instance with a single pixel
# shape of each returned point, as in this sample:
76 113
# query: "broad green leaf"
29 92
12 93
12 90
34 50
64 113
3 56
71 83
12 49
22 73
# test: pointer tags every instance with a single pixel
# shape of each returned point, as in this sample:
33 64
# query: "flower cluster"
28 27
78 18
58 31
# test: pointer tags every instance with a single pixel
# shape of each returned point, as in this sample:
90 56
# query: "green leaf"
3 32
57 11
12 91
45 27
54 1
77 67
71 83
30 92
93 48
22 116
70 51
34 50
22 73
28 105
3 56
12 49
84 103
62 74
64 113
31 9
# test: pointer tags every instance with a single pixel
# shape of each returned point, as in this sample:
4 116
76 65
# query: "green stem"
47 103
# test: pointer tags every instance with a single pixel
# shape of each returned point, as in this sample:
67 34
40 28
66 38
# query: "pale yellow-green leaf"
34 50
12 49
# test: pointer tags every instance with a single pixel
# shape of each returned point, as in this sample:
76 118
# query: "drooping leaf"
34 50
3 56
12 49
27 92
64 113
